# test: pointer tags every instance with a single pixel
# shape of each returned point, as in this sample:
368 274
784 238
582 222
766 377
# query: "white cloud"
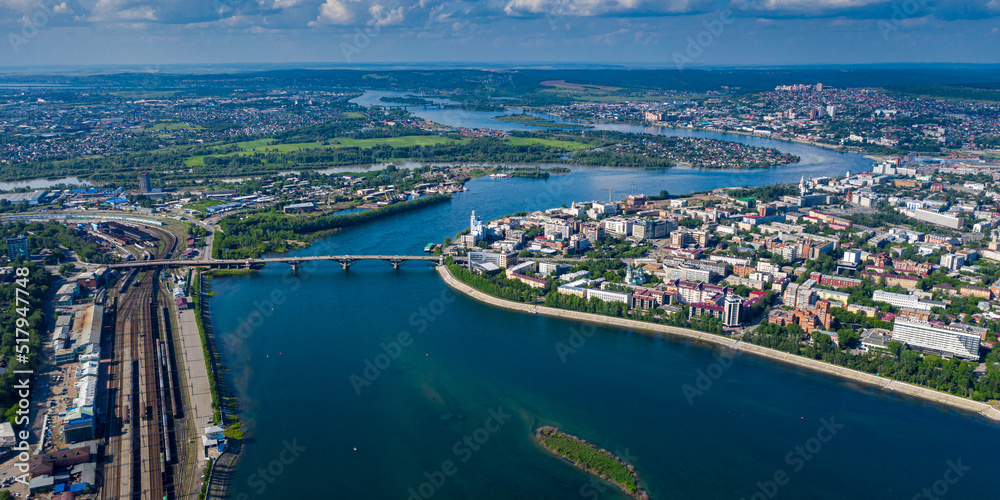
283 4
383 16
122 10
336 12
589 8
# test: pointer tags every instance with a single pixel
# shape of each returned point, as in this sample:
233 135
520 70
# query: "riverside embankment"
812 364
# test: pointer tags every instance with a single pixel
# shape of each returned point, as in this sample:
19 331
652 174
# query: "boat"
430 247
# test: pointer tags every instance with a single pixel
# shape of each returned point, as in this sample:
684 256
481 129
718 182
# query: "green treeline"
213 387
36 286
249 236
575 303
58 238
614 159
953 376
478 149
497 286
949 92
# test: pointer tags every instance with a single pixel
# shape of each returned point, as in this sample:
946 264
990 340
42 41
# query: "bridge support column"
295 266
395 264
346 264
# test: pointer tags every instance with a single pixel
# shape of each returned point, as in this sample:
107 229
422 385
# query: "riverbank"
751 134
812 364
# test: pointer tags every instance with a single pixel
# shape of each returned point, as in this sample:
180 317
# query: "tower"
802 186
476 226
731 310
144 182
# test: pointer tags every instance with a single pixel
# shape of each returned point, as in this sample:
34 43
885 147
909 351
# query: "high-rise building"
144 182
17 248
731 310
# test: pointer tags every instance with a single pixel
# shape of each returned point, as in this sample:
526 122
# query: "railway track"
140 452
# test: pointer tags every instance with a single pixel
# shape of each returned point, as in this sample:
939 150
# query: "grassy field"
406 140
266 146
554 143
203 203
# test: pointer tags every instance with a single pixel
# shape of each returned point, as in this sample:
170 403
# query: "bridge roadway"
344 260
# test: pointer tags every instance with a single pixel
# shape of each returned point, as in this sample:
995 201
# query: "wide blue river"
377 383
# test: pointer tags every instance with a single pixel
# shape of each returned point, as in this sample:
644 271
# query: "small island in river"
590 458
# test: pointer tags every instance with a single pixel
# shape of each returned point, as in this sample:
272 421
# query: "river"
306 353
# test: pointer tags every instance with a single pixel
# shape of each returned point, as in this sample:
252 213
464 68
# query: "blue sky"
342 32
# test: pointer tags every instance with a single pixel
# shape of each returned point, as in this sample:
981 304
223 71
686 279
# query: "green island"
590 458
538 121
273 231
531 172
409 100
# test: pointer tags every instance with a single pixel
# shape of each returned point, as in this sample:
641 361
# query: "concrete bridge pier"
395 263
295 266
346 263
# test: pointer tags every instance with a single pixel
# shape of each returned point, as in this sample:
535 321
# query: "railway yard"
143 444
143 397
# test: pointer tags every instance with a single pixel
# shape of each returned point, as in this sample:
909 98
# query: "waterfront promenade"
812 364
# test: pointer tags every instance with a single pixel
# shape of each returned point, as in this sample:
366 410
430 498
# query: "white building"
7 437
609 296
852 257
948 340
618 227
902 300
952 261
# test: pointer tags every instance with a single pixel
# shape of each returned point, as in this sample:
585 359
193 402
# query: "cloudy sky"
641 32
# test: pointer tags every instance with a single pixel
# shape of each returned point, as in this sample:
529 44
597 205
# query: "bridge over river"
344 260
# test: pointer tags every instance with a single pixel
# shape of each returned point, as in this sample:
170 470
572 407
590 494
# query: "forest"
252 235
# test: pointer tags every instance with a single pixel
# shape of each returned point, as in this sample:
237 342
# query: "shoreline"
831 147
846 373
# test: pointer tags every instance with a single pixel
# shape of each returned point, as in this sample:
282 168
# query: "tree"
67 269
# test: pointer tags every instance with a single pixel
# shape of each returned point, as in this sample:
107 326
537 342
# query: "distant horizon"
512 65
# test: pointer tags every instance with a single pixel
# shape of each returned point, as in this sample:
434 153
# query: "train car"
128 280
